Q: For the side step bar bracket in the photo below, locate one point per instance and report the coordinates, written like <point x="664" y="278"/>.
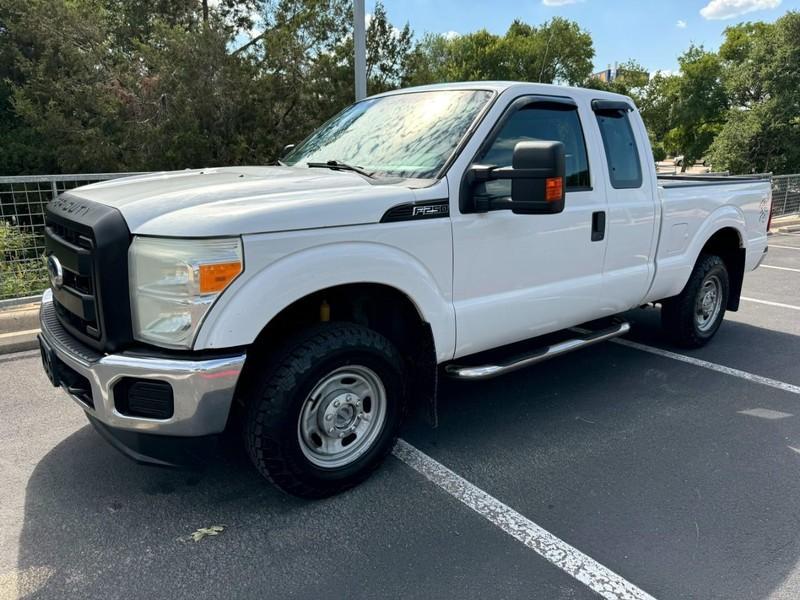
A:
<point x="540" y="355"/>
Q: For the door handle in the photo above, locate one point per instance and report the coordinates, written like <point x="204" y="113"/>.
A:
<point x="598" y="225"/>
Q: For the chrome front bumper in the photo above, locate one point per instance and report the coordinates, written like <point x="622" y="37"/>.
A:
<point x="203" y="389"/>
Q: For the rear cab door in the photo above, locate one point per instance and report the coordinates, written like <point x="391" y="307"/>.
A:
<point x="632" y="216"/>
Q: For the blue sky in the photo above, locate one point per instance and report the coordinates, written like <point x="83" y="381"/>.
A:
<point x="653" y="32"/>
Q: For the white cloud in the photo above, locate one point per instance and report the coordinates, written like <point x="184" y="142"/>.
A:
<point x="559" y="2"/>
<point x="681" y="24"/>
<point x="451" y="35"/>
<point x="728" y="9"/>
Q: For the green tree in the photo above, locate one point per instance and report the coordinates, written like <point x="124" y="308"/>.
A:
<point x="762" y="76"/>
<point x="557" y="51"/>
<point x="112" y="85"/>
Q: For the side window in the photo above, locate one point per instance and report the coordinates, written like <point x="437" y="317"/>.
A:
<point x="550" y="122"/>
<point x="622" y="155"/>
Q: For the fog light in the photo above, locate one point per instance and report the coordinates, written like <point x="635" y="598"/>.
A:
<point x="145" y="398"/>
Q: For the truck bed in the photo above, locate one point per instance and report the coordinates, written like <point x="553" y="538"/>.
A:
<point x="693" y="207"/>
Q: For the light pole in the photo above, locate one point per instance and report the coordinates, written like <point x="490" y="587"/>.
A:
<point x="360" y="46"/>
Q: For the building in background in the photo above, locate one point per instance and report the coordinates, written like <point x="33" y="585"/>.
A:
<point x="611" y="74"/>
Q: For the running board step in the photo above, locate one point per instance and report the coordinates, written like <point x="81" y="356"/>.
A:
<point x="539" y="355"/>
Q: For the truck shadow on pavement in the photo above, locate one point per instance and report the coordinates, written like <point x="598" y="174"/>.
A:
<point x="641" y="462"/>
<point x="97" y="525"/>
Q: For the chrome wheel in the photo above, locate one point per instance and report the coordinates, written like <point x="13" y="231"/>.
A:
<point x="708" y="304"/>
<point x="342" y="416"/>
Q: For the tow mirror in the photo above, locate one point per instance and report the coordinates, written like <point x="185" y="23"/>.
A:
<point x="537" y="181"/>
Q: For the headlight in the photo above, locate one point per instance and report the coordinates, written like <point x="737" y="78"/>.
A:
<point x="174" y="282"/>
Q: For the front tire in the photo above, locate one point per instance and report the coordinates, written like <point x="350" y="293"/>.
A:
<point x="691" y="318"/>
<point x="326" y="410"/>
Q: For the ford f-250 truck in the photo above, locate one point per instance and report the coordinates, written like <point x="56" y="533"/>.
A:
<point x="310" y="302"/>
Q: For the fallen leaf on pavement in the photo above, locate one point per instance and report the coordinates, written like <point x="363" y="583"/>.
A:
<point x="206" y="531"/>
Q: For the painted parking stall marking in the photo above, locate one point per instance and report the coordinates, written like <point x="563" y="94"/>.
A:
<point x="765" y="413"/>
<point x="786" y="387"/>
<point x="780" y="268"/>
<point x="769" y="303"/>
<point x="572" y="561"/>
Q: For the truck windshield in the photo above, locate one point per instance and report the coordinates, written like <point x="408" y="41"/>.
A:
<point x="404" y="135"/>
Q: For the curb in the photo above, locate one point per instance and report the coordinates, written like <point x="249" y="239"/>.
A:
<point x="19" y="326"/>
<point x="787" y="224"/>
<point x="18" y="341"/>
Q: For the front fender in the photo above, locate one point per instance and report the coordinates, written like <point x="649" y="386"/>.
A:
<point x="258" y="296"/>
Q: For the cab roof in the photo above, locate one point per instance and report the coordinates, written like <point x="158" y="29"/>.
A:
<point x="502" y="86"/>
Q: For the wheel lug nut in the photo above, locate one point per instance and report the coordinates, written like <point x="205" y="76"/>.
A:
<point x="330" y="430"/>
<point x="336" y="403"/>
<point x="328" y="417"/>
<point x="341" y="435"/>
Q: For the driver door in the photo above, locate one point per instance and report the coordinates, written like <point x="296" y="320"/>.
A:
<point x="520" y="276"/>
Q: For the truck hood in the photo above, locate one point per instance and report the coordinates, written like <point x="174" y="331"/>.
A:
<point x="242" y="200"/>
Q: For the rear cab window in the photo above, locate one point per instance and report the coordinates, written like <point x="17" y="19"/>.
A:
<point x="622" y="153"/>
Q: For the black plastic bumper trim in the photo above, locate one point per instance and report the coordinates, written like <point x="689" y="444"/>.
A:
<point x="159" y="450"/>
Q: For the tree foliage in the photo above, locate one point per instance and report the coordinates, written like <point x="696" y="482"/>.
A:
<point x="762" y="77"/>
<point x="112" y="85"/>
<point x="557" y="51"/>
<point x="115" y="85"/>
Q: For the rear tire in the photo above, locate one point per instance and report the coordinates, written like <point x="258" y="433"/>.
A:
<point x="691" y="318"/>
<point x="325" y="410"/>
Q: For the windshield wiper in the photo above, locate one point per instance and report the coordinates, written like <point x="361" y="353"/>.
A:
<point x="340" y="166"/>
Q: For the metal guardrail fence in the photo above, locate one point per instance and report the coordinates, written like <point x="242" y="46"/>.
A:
<point x="785" y="195"/>
<point x="23" y="198"/>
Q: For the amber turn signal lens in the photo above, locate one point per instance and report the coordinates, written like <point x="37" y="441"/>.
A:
<point x="215" y="278"/>
<point x="554" y="189"/>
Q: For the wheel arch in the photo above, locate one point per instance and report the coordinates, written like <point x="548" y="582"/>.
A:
<point x="382" y="308"/>
<point x="722" y="233"/>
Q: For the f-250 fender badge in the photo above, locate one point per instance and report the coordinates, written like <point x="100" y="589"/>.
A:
<point x="412" y="211"/>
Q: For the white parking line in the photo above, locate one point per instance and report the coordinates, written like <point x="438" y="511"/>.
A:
<point x="572" y="561"/>
<point x="786" y="387"/>
<point x="784" y="247"/>
<point x="765" y="413"/>
<point x="767" y="302"/>
<point x="780" y="268"/>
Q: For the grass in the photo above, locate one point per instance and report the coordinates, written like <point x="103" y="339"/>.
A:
<point x="22" y="271"/>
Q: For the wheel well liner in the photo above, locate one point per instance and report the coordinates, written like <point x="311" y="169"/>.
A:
<point x="727" y="244"/>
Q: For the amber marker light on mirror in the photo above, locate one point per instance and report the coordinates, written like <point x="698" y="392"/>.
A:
<point x="554" y="189"/>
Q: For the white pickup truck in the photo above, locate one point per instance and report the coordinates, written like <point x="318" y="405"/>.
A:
<point x="311" y="302"/>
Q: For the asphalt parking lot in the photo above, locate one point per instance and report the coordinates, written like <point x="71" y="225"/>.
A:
<point x="676" y="472"/>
